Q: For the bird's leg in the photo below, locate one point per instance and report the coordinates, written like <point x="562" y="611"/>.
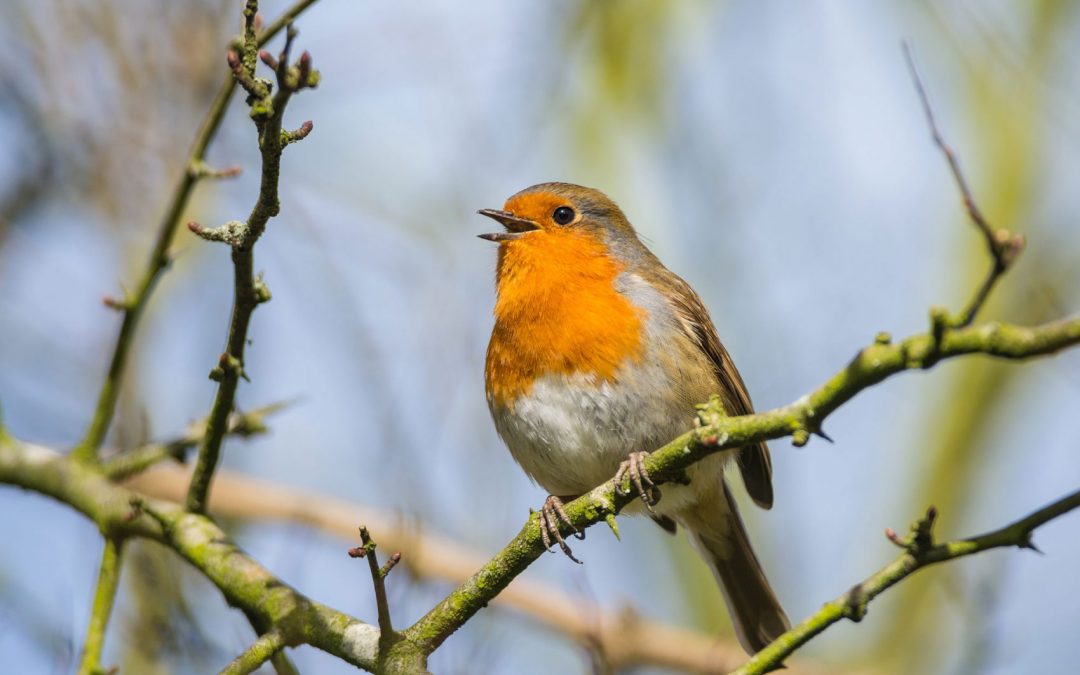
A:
<point x="634" y="466"/>
<point x="552" y="515"/>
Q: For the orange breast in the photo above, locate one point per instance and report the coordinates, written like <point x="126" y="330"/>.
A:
<point x="557" y="312"/>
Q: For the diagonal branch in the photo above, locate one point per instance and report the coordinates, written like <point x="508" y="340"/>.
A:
<point x="134" y="304"/>
<point x="124" y="465"/>
<point x="852" y="605"/>
<point x="624" y="637"/>
<point x="718" y="432"/>
<point x="120" y="512"/>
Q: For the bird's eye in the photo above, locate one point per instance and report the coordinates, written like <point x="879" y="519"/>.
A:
<point x="563" y="215"/>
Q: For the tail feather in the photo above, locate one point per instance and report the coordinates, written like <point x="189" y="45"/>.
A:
<point x="721" y="538"/>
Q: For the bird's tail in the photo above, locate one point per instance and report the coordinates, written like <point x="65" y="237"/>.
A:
<point x="718" y="533"/>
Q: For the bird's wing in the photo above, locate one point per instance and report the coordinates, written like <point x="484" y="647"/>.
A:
<point x="753" y="460"/>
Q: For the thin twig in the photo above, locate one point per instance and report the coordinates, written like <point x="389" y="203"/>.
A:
<point x="124" y="465"/>
<point x="378" y="578"/>
<point x="133" y="305"/>
<point x="104" y="596"/>
<point x="1004" y="246"/>
<point x="922" y="552"/>
<point x="249" y="290"/>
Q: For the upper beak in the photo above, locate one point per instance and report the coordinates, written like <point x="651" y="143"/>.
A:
<point x="514" y="225"/>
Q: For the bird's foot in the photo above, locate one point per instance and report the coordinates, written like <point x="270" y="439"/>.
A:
<point x="552" y="515"/>
<point x="634" y="466"/>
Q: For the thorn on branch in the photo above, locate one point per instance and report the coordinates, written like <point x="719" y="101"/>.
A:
<point x="1030" y="545"/>
<point x="808" y="425"/>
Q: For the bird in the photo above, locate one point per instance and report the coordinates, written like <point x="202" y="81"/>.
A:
<point x="598" y="355"/>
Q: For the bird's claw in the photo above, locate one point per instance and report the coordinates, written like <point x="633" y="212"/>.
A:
<point x="634" y="466"/>
<point x="552" y="515"/>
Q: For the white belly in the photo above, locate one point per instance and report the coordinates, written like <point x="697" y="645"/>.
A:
<point x="569" y="433"/>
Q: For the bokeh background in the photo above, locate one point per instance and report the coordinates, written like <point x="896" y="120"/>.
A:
<point x="773" y="154"/>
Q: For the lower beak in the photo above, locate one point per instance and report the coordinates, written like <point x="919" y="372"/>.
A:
<point x="515" y="226"/>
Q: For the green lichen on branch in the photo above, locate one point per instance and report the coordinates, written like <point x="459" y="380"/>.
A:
<point x="122" y="513"/>
<point x="717" y="432"/>
<point x="921" y="552"/>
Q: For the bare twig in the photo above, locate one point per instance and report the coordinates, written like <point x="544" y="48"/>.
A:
<point x="133" y="305"/>
<point x="378" y="577"/>
<point x="244" y="424"/>
<point x="249" y="290"/>
<point x="1004" y="246"/>
<point x="921" y="552"/>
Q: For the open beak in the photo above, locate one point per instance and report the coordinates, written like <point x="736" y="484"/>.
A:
<point x="515" y="226"/>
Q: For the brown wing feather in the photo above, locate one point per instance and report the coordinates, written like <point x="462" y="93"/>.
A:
<point x="754" y="462"/>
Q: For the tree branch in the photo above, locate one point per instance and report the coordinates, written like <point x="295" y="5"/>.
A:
<point x="718" y="432"/>
<point x="249" y="291"/>
<point x="104" y="595"/>
<point x="922" y="552"/>
<point x="120" y="512"/>
<point x="626" y="638"/>
<point x="133" y="305"/>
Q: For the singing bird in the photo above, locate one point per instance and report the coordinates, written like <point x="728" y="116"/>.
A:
<point x="598" y="355"/>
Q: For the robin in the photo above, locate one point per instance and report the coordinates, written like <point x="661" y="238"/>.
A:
<point x="598" y="355"/>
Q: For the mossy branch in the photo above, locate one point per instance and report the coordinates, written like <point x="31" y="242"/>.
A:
<point x="122" y="513"/>
<point x="133" y="305"/>
<point x="921" y="552"/>
<point x="717" y="432"/>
